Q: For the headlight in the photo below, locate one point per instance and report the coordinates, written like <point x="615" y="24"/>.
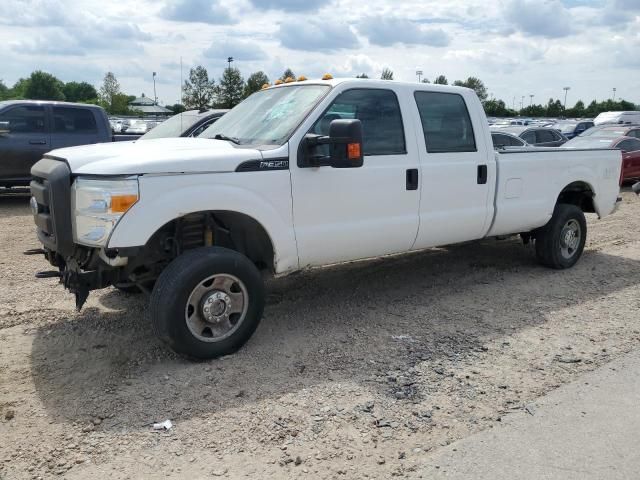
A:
<point x="97" y="207"/>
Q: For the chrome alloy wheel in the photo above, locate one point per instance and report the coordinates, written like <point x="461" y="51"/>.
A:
<point x="216" y="307"/>
<point x="570" y="238"/>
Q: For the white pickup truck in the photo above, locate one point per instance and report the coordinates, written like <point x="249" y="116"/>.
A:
<point x="300" y="175"/>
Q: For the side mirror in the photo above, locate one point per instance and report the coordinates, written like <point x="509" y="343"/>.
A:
<point x="345" y="146"/>
<point x="4" y="128"/>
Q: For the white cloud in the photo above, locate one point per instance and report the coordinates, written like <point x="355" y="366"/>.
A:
<point x="516" y="48"/>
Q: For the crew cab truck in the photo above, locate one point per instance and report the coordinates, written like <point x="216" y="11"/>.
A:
<point x="301" y="175"/>
<point x="31" y="128"/>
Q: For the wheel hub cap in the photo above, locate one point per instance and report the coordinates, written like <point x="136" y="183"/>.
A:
<point x="570" y="238"/>
<point x="216" y="306"/>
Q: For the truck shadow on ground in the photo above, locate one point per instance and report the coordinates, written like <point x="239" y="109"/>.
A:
<point x="344" y="324"/>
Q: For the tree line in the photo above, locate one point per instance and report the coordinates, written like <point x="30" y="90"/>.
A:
<point x="200" y="91"/>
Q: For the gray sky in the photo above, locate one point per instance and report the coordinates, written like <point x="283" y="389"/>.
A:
<point x="517" y="47"/>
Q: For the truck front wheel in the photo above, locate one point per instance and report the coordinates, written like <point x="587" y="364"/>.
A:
<point x="559" y="244"/>
<point x="208" y="302"/>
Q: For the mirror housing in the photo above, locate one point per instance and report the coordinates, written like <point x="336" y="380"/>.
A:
<point x="4" y="128"/>
<point x="345" y="146"/>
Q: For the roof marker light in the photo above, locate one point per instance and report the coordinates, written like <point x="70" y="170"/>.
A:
<point x="289" y="80"/>
<point x="327" y="76"/>
<point x="278" y="82"/>
<point x="302" y="78"/>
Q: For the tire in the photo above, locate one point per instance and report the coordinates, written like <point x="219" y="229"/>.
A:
<point x="560" y="243"/>
<point x="197" y="286"/>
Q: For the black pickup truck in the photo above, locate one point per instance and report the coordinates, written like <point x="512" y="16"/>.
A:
<point x="31" y="128"/>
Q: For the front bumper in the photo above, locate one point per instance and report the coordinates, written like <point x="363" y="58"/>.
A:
<point x="80" y="269"/>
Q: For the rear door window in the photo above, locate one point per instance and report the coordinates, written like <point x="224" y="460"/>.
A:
<point x="446" y="123"/>
<point x="25" y="119"/>
<point x="73" y="120"/>
<point x="545" y="136"/>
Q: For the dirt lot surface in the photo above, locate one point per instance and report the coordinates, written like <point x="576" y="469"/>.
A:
<point x="357" y="371"/>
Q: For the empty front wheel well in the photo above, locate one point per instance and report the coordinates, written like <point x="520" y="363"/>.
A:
<point x="579" y="194"/>
<point x="228" y="229"/>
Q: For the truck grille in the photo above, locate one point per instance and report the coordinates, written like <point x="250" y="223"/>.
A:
<point x="51" y="204"/>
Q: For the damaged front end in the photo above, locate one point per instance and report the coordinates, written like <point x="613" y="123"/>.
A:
<point x="80" y="269"/>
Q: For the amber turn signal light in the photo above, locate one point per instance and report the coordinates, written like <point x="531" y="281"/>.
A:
<point x="353" y="151"/>
<point x="122" y="203"/>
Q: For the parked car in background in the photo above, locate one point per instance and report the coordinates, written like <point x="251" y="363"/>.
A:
<point x="607" y="130"/>
<point x="573" y="128"/>
<point x="504" y="140"/>
<point x="618" y="117"/>
<point x="186" y="124"/>
<point x="629" y="146"/>
<point x="31" y="128"/>
<point x="536" y="136"/>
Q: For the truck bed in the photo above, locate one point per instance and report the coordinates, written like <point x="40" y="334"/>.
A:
<point x="529" y="182"/>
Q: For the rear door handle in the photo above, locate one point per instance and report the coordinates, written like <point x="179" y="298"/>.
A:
<point x="37" y="142"/>
<point x="412" y="179"/>
<point x="482" y="174"/>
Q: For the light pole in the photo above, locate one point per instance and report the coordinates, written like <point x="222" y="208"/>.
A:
<point x="419" y="74"/>
<point x="229" y="60"/>
<point x="522" y="102"/>
<point x="614" y="93"/>
<point x="155" y="97"/>
<point x="566" y="89"/>
<point x="531" y="99"/>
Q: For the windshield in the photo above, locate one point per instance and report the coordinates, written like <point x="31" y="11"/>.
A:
<point x="269" y="116"/>
<point x="588" y="142"/>
<point x="174" y="127"/>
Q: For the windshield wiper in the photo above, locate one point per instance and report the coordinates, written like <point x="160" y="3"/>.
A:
<point x="222" y="136"/>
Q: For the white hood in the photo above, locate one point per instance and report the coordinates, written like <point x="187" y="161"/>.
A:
<point x="163" y="155"/>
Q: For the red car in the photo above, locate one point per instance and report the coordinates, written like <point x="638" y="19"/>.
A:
<point x="630" y="147"/>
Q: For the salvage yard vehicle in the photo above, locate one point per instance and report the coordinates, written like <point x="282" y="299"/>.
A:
<point x="302" y="175"/>
<point x="30" y="128"/>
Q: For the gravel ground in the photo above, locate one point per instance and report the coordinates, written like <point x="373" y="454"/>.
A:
<point x="357" y="371"/>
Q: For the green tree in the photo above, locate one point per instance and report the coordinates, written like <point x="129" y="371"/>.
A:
<point x="108" y="91"/>
<point x="198" y="92"/>
<point x="255" y="82"/>
<point x="230" y="89"/>
<point x="425" y="80"/>
<point x="288" y="73"/>
<point x="578" y="110"/>
<point x="362" y="75"/>
<point x="120" y="105"/>
<point x="19" y="88"/>
<point x="43" y="86"/>
<point x="533" y="111"/>
<point x="176" y="108"/>
<point x="554" y="108"/>
<point x="79" y="92"/>
<point x="441" y="80"/>
<point x="387" y="74"/>
<point x="4" y="91"/>
<point x="497" y="108"/>
<point x="474" y="84"/>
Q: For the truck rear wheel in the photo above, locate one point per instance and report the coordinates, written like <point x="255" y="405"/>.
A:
<point x="208" y="302"/>
<point x="560" y="243"/>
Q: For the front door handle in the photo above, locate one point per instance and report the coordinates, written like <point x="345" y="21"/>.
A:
<point x="37" y="142"/>
<point x="482" y="174"/>
<point x="412" y="179"/>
